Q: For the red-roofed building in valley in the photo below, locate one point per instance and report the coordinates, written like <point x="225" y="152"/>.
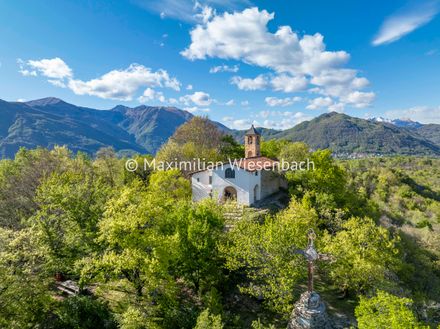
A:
<point x="247" y="180"/>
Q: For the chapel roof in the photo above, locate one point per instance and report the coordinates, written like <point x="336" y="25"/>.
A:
<point x="252" y="131"/>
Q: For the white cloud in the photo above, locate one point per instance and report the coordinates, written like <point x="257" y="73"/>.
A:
<point x="359" y="99"/>
<point x="274" y="101"/>
<point x="205" y="12"/>
<point x="151" y="95"/>
<point x="336" y="107"/>
<point x="295" y="61"/>
<point x="343" y="84"/>
<point x="123" y="84"/>
<point x="57" y="83"/>
<point x="405" y="21"/>
<point x="224" y="68"/>
<point x="244" y="36"/>
<point x="198" y="98"/>
<point x="241" y="124"/>
<point x="258" y="83"/>
<point x="319" y="102"/>
<point x="116" y="84"/>
<point x="230" y="102"/>
<point x="423" y="114"/>
<point x="54" y="68"/>
<point x="289" y="84"/>
<point x="284" y="120"/>
<point x="189" y="87"/>
<point x="244" y="103"/>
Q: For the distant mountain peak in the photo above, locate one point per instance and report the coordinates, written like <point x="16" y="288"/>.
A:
<point x="45" y="101"/>
<point x="404" y="122"/>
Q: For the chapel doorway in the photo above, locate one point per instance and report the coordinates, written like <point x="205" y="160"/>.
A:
<point x="230" y="194"/>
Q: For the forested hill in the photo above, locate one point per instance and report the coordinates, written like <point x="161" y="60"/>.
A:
<point x="51" y="121"/>
<point x="344" y="134"/>
<point x="144" y="129"/>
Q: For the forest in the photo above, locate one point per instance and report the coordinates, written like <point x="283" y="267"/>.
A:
<point x="145" y="256"/>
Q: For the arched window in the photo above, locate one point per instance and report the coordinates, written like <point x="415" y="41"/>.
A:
<point x="229" y="173"/>
<point x="249" y="139"/>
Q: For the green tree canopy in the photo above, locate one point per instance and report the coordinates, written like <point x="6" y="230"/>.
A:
<point x="386" y="311"/>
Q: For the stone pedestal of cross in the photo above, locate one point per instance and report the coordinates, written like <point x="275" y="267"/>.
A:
<point x="309" y="311"/>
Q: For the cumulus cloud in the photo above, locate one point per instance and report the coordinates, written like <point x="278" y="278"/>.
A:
<point x="244" y="36"/>
<point x="423" y="114"/>
<point x="258" y="83"/>
<point x="274" y="101"/>
<point x="198" y="98"/>
<point x="151" y="95"/>
<point x="359" y="99"/>
<point x="319" y="102"/>
<point x="224" y="68"/>
<point x="289" y="84"/>
<point x="54" y="68"/>
<point x="122" y="84"/>
<point x="295" y="61"/>
<point x="405" y="21"/>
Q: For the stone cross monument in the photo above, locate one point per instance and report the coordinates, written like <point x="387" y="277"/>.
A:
<point x="309" y="311"/>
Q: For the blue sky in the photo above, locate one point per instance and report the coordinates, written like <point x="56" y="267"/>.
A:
<point x="273" y="63"/>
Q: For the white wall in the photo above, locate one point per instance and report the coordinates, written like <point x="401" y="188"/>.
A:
<point x="200" y="185"/>
<point x="244" y="182"/>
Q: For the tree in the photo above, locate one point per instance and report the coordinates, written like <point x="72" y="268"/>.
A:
<point x="130" y="234"/>
<point x="273" y="147"/>
<point x="70" y="204"/>
<point x="206" y="320"/>
<point x="201" y="132"/>
<point x="83" y="312"/>
<point x="169" y="184"/>
<point x="109" y="167"/>
<point x="293" y="152"/>
<point x="264" y="253"/>
<point x="386" y="311"/>
<point x="230" y="148"/>
<point x="365" y="255"/>
<point x="25" y="300"/>
<point x="19" y="181"/>
<point x="199" y="228"/>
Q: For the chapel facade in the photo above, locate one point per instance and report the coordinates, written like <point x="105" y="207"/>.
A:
<point x="242" y="180"/>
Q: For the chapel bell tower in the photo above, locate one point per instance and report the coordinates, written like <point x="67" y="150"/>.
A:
<point x="252" y="143"/>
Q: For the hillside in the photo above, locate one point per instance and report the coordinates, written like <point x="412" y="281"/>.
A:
<point x="345" y="134"/>
<point x="431" y="132"/>
<point x="144" y="129"/>
<point x="51" y="121"/>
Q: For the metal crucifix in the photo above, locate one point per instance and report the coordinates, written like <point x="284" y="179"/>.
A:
<point x="311" y="256"/>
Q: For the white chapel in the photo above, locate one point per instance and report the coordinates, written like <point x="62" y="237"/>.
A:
<point x="242" y="180"/>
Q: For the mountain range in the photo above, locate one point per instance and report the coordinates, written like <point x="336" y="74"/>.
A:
<point x="50" y="121"/>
